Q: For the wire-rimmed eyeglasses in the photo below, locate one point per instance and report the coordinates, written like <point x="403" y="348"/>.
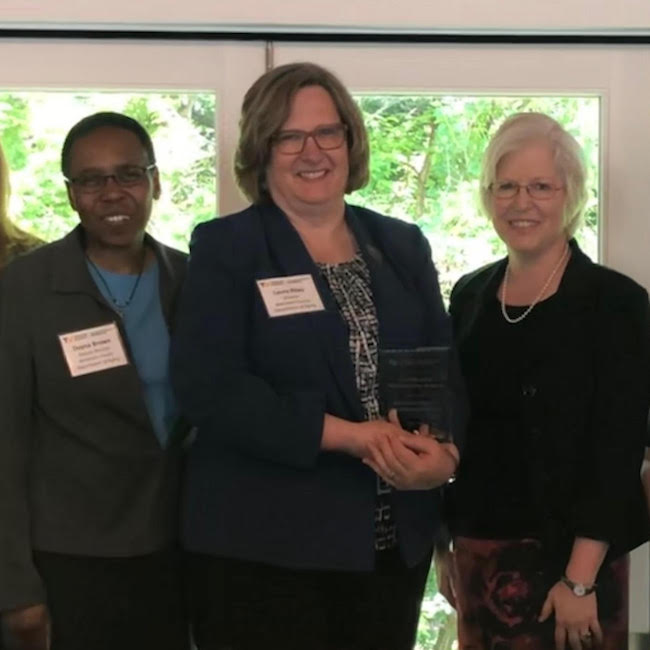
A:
<point x="541" y="190"/>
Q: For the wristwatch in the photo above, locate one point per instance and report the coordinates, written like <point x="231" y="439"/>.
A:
<point x="578" y="588"/>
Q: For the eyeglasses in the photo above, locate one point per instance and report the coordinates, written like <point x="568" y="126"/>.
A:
<point x="326" y="137"/>
<point x="541" y="190"/>
<point x="124" y="176"/>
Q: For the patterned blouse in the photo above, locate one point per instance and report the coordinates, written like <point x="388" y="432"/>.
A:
<point x="349" y="283"/>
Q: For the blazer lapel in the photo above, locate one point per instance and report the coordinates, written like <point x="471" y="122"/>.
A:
<point x="577" y="283"/>
<point x="170" y="279"/>
<point x="395" y="295"/>
<point x="69" y="272"/>
<point x="479" y="300"/>
<point x="290" y="256"/>
<point x="288" y="253"/>
<point x="70" y="275"/>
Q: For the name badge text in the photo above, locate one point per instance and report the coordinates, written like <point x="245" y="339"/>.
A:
<point x="93" y="349"/>
<point x="294" y="294"/>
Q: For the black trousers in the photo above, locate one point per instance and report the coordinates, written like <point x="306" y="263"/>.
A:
<point x="238" y="605"/>
<point x="132" y="603"/>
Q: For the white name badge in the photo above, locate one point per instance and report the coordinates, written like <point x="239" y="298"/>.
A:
<point x="93" y="349"/>
<point x="294" y="294"/>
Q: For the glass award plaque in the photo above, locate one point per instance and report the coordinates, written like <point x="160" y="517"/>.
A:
<point x="416" y="383"/>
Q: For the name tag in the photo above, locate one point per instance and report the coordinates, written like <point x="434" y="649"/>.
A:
<point x="295" y="294"/>
<point x="93" y="349"/>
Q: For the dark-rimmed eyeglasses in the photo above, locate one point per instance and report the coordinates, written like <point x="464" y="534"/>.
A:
<point x="326" y="137"/>
<point x="124" y="176"/>
<point x="540" y="190"/>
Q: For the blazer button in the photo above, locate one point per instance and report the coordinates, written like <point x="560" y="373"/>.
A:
<point x="529" y="390"/>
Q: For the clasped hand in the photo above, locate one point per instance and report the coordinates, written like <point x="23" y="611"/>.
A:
<point x="28" y="628"/>
<point x="407" y="461"/>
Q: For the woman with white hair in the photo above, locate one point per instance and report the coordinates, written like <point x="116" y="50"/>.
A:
<point x="554" y="350"/>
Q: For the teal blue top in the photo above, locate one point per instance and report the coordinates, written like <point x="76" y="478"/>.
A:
<point x="148" y="339"/>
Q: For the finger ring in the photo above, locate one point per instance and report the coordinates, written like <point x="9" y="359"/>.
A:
<point x="585" y="635"/>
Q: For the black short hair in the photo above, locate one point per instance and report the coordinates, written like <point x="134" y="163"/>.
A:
<point x="100" y="120"/>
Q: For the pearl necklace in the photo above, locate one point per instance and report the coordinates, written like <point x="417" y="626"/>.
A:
<point x="521" y="317"/>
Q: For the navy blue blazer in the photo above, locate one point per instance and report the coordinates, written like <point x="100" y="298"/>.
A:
<point x="258" y="486"/>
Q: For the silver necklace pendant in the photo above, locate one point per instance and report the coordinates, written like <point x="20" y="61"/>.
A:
<point x="120" y="309"/>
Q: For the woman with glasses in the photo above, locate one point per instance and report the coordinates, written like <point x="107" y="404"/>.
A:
<point x="295" y="541"/>
<point x="554" y="351"/>
<point x="90" y="439"/>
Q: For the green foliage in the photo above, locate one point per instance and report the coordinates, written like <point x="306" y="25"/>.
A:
<point x="14" y="117"/>
<point x="138" y="108"/>
<point x="437" y="628"/>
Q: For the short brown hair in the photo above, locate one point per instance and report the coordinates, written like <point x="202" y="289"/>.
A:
<point x="266" y="108"/>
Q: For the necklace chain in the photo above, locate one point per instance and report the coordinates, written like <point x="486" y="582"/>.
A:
<point x="120" y="308"/>
<point x="521" y="317"/>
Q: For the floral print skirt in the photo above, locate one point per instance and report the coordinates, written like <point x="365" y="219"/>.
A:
<point x="500" y="587"/>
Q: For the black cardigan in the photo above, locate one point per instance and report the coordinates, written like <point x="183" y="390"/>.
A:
<point x="585" y="403"/>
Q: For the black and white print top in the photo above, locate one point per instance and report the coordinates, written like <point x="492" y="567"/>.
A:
<point x="349" y="283"/>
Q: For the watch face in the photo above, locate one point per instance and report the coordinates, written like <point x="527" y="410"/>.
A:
<point x="579" y="590"/>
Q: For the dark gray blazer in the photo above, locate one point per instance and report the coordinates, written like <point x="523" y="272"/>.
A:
<point x="81" y="469"/>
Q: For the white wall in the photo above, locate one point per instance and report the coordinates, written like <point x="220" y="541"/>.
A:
<point x="421" y="15"/>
